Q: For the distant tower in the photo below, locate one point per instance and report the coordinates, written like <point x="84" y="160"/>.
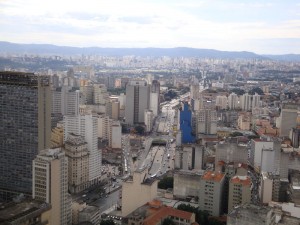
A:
<point x="246" y="102"/>
<point x="185" y="120"/>
<point x="137" y="101"/>
<point x="50" y="184"/>
<point x="25" y="128"/>
<point x="86" y="126"/>
<point x="206" y="121"/>
<point x="154" y="97"/>
<point x="233" y="101"/>
<point x="255" y="100"/>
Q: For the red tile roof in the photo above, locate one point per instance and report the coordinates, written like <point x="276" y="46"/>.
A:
<point x="213" y="176"/>
<point x="165" y="212"/>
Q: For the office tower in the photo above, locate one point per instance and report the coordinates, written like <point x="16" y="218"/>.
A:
<point x="103" y="126"/>
<point x="115" y="136"/>
<point x="50" y="184"/>
<point x="288" y="119"/>
<point x="86" y="126"/>
<point x="189" y="157"/>
<point x="137" y="101"/>
<point x="255" y="100"/>
<point x="149" y="120"/>
<point x="100" y="94"/>
<point x="25" y="128"/>
<point x="57" y="136"/>
<point x="185" y="119"/>
<point x="211" y="194"/>
<point x="233" y="100"/>
<point x="295" y="137"/>
<point x="55" y="81"/>
<point x="221" y="102"/>
<point x="65" y="101"/>
<point x="239" y="191"/>
<point x="246" y="101"/>
<point x="78" y="163"/>
<point x="113" y="108"/>
<point x="154" y="97"/>
<point x="195" y="94"/>
<point x="87" y="94"/>
<point x="206" y="121"/>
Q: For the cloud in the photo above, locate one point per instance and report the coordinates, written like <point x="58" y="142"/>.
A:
<point x="137" y="23"/>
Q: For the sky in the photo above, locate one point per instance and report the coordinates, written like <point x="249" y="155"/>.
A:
<point x="260" y="26"/>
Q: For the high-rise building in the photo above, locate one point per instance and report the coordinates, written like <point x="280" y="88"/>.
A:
<point x="78" y="163"/>
<point x="148" y="120"/>
<point x="185" y="124"/>
<point x="221" y="102"/>
<point x="50" y="184"/>
<point x="137" y="101"/>
<point x="246" y="101"/>
<point x="25" y="128"/>
<point x="239" y="191"/>
<point x="211" y="194"/>
<point x="206" y="121"/>
<point x="195" y="91"/>
<point x="86" y="126"/>
<point x="65" y="101"/>
<point x="233" y="100"/>
<point x="155" y="97"/>
<point x="255" y="100"/>
<point x="288" y="119"/>
<point x="115" y="136"/>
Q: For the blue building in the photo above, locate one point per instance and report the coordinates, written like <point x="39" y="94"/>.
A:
<point x="186" y="124"/>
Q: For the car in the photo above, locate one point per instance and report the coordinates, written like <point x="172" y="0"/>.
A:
<point x="106" y="196"/>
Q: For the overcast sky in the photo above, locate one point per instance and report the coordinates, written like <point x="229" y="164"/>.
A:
<point x="268" y="27"/>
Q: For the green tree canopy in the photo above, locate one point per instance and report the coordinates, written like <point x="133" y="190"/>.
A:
<point x="139" y="129"/>
<point x="165" y="183"/>
<point x="168" y="221"/>
<point x="107" y="222"/>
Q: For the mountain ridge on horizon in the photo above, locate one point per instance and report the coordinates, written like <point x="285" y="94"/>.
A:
<point x="46" y="49"/>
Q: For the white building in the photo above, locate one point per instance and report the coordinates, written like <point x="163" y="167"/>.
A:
<point x="149" y="120"/>
<point x="65" y="101"/>
<point x="221" y="102"/>
<point x="206" y="121"/>
<point x="233" y="101"/>
<point x="256" y="100"/>
<point x="246" y="101"/>
<point x="50" y="184"/>
<point x="115" y="135"/>
<point x="86" y="126"/>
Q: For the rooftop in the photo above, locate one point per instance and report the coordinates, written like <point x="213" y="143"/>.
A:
<point x="213" y="176"/>
<point x="243" y="180"/>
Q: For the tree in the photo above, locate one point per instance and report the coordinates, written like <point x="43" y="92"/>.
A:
<point x="236" y="134"/>
<point x="165" y="183"/>
<point x="238" y="91"/>
<point x="257" y="90"/>
<point x="139" y="129"/>
<point x="107" y="222"/>
<point x="168" y="221"/>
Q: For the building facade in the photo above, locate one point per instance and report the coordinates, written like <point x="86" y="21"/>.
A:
<point x="50" y="184"/>
<point x="25" y="128"/>
<point x="78" y="163"/>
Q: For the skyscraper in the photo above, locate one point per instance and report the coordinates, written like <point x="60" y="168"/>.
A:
<point x="137" y="101"/>
<point x="25" y="128"/>
<point x="86" y="126"/>
<point x="233" y="101"/>
<point x="50" y="184"/>
<point x="246" y="101"/>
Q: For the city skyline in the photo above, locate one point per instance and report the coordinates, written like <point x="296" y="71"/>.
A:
<point x="263" y="27"/>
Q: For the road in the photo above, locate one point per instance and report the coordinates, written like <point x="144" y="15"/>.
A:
<point x="106" y="203"/>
